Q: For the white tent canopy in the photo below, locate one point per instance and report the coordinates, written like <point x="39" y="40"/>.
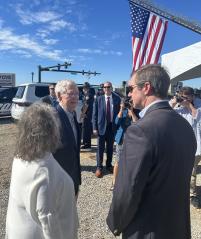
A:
<point x="183" y="64"/>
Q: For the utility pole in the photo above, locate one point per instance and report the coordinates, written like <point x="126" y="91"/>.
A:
<point x="57" y="68"/>
<point x="124" y="87"/>
<point x="193" y="26"/>
<point x="32" y="76"/>
<point x="39" y="73"/>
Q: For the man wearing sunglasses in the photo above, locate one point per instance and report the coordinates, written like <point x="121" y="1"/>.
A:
<point x="106" y="108"/>
<point x="51" y="99"/>
<point x="190" y="109"/>
<point x="151" y="192"/>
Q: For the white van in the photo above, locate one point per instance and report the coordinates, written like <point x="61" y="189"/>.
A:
<point x="26" y="95"/>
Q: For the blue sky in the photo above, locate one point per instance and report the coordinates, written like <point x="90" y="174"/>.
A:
<point x="92" y="34"/>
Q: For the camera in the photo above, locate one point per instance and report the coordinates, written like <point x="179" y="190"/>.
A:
<point x="127" y="103"/>
<point x="179" y="99"/>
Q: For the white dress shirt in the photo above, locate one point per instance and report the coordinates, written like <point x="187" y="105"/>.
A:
<point x="143" y="112"/>
<point x="195" y="122"/>
<point x="41" y="202"/>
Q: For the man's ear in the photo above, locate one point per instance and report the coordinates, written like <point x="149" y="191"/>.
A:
<point x="147" y="88"/>
<point x="58" y="95"/>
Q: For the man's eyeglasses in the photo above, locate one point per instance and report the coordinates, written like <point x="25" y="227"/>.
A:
<point x="131" y="88"/>
<point x="72" y="94"/>
<point x="107" y="87"/>
<point x="52" y="88"/>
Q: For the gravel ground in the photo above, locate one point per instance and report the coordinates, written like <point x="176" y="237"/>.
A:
<point x="94" y="198"/>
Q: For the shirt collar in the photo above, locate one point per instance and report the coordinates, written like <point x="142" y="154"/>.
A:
<point x="106" y="96"/>
<point x="143" y="112"/>
<point x="71" y="113"/>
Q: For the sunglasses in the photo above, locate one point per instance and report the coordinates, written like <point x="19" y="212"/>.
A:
<point x="52" y="88"/>
<point x="131" y="88"/>
<point x="107" y="87"/>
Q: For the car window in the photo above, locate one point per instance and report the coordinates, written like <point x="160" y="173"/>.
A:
<point x="41" y="91"/>
<point x="12" y="92"/>
<point x="8" y="93"/>
<point x="20" y="92"/>
<point x="3" y="93"/>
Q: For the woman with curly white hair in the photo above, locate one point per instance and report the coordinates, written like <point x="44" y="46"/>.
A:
<point x="42" y="199"/>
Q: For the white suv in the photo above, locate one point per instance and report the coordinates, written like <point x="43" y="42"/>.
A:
<point x="26" y="95"/>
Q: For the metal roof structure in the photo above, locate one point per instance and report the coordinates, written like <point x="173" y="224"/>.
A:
<point x="183" y="64"/>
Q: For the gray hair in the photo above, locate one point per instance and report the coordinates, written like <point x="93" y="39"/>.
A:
<point x="157" y="76"/>
<point x="38" y="132"/>
<point x="63" y="85"/>
<point x="108" y="82"/>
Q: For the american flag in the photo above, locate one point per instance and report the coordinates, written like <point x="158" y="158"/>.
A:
<point x="148" y="33"/>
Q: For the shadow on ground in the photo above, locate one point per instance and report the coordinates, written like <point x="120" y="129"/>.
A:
<point x="93" y="150"/>
<point x="198" y="188"/>
<point x="199" y="169"/>
<point x="88" y="168"/>
<point x="6" y="120"/>
<point x="92" y="169"/>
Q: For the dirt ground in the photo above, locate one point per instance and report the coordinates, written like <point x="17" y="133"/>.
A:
<point x="7" y="141"/>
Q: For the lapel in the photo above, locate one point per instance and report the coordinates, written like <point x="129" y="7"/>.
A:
<point x="67" y="124"/>
<point x="78" y="130"/>
<point x="114" y="103"/>
<point x="113" y="98"/>
<point x="104" y="104"/>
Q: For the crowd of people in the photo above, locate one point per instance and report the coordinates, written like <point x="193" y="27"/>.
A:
<point x="158" y="150"/>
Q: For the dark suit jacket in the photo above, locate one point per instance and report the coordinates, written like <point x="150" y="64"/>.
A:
<point x="68" y="156"/>
<point x="99" y="113"/>
<point x="151" y="194"/>
<point x="89" y="102"/>
<point x="49" y="100"/>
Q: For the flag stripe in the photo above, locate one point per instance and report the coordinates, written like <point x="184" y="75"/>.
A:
<point x="162" y="40"/>
<point x="156" y="47"/>
<point x="136" y="49"/>
<point x="147" y="49"/>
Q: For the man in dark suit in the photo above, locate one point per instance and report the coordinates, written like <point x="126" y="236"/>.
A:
<point x="87" y="110"/>
<point x="106" y="108"/>
<point x="50" y="99"/>
<point x="68" y="155"/>
<point x="151" y="194"/>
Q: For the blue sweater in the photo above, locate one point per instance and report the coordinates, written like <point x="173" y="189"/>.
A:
<point x="122" y="124"/>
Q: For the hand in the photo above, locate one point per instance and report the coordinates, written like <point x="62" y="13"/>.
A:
<point x="186" y="103"/>
<point x="95" y="132"/>
<point x="132" y="115"/>
<point x="173" y="102"/>
<point x="122" y="107"/>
